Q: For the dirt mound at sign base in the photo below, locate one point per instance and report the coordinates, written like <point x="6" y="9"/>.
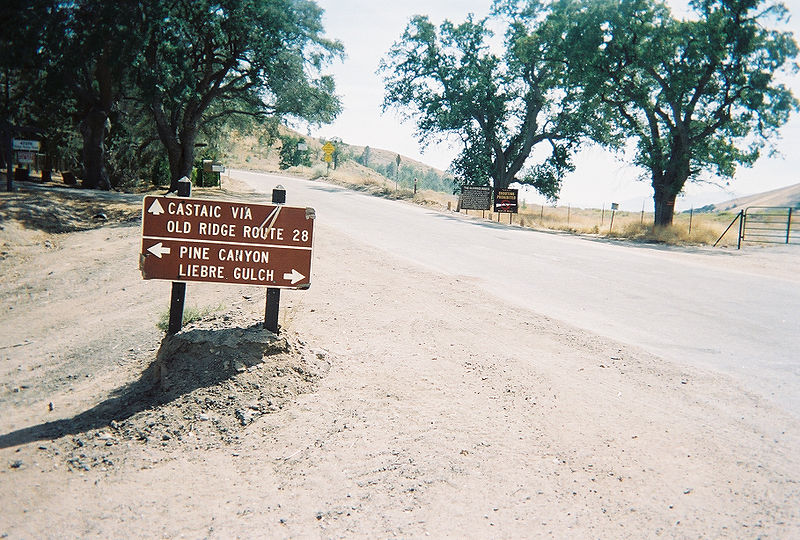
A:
<point x="228" y="377"/>
<point x="207" y="383"/>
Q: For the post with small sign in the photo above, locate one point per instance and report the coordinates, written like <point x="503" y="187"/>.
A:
<point x="506" y="201"/>
<point x="274" y="295"/>
<point x="210" y="169"/>
<point x="328" y="149"/>
<point x="23" y="148"/>
<point x="614" y="208"/>
<point x="7" y="148"/>
<point x="178" y="287"/>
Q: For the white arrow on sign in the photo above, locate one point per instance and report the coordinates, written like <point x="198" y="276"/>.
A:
<point x="294" y="277"/>
<point x="158" y="250"/>
<point x="156" y="209"/>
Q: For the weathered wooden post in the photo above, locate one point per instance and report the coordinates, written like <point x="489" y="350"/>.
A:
<point x="178" y="287"/>
<point x="274" y="294"/>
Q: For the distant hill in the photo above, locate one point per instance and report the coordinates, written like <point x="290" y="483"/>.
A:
<point x="375" y="169"/>
<point x="785" y="196"/>
<point x="252" y="150"/>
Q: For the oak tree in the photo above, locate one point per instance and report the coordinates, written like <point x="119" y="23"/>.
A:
<point x="696" y="95"/>
<point x="501" y="106"/>
<point x="206" y="60"/>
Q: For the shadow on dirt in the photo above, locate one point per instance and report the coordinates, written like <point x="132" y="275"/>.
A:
<point x="61" y="210"/>
<point x="226" y="372"/>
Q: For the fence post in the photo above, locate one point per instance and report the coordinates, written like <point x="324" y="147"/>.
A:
<point x="788" y="225"/>
<point x="741" y="229"/>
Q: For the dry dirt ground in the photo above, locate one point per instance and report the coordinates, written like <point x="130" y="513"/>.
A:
<point x="395" y="402"/>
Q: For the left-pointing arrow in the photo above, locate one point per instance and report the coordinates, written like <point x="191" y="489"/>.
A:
<point x="158" y="250"/>
<point x="156" y="209"/>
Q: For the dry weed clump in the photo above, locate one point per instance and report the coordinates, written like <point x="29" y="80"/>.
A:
<point x="699" y="229"/>
<point x="672" y="235"/>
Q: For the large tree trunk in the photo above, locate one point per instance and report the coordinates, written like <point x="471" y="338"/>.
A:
<point x="666" y="187"/>
<point x="93" y="130"/>
<point x="664" y="204"/>
<point x="181" y="158"/>
<point x="669" y="182"/>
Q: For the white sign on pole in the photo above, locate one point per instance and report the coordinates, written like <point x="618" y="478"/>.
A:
<point x="26" y="145"/>
<point x="24" y="157"/>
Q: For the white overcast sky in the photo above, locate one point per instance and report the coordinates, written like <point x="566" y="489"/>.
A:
<point x="368" y="28"/>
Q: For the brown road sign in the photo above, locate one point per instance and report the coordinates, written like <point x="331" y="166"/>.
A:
<point x="186" y="239"/>
<point x="506" y="200"/>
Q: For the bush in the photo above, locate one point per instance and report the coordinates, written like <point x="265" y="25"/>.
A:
<point x="290" y="155"/>
<point x="319" y="171"/>
<point x="673" y="235"/>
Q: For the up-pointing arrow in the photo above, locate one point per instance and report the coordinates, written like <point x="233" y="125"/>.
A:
<point x="294" y="277"/>
<point x="156" y="209"/>
<point x="158" y="250"/>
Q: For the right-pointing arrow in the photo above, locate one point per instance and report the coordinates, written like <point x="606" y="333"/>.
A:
<point x="158" y="250"/>
<point x="294" y="277"/>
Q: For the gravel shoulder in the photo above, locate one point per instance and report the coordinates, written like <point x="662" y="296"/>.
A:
<point x="398" y="402"/>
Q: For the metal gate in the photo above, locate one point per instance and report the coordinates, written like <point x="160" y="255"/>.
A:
<point x="767" y="225"/>
<point x="770" y="225"/>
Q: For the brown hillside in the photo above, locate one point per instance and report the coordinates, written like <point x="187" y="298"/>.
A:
<point x="251" y="152"/>
<point x="379" y="156"/>
<point x="785" y="196"/>
<point x="244" y="147"/>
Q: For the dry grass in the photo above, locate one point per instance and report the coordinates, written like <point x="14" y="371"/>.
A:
<point x="246" y="153"/>
<point x="699" y="229"/>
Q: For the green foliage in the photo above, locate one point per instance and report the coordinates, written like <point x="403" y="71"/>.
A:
<point x="426" y="178"/>
<point x="451" y="83"/>
<point x="290" y="155"/>
<point x="696" y="95"/>
<point x="205" y="61"/>
<point x="133" y="158"/>
<point x="159" y="172"/>
<point x="364" y="157"/>
<point x="122" y="75"/>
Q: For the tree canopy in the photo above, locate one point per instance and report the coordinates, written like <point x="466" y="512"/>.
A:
<point x="166" y="71"/>
<point x="451" y="82"/>
<point x="695" y="95"/>
<point x="205" y="60"/>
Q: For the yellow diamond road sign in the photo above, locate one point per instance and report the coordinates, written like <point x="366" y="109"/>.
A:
<point x="328" y="148"/>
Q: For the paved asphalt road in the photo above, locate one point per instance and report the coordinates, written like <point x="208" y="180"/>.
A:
<point x="693" y="306"/>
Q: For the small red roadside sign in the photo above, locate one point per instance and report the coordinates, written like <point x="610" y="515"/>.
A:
<point x="185" y="239"/>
